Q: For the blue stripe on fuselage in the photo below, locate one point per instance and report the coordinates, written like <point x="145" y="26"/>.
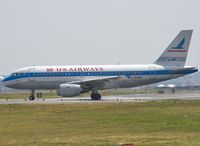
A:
<point x="103" y="73"/>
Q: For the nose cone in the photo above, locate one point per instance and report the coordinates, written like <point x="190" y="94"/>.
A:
<point x="1" y="78"/>
<point x="4" y="80"/>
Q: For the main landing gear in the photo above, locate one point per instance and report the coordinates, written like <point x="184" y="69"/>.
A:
<point x="32" y="97"/>
<point x="95" y="96"/>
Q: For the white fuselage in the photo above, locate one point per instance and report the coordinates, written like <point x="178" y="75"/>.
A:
<point x="51" y="77"/>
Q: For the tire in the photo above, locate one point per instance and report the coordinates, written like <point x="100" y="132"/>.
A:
<point x="31" y="98"/>
<point x="95" y="96"/>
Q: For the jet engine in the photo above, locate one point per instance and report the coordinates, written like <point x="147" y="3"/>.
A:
<point x="69" y="90"/>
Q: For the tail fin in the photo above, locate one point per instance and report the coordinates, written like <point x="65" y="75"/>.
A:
<point x="176" y="53"/>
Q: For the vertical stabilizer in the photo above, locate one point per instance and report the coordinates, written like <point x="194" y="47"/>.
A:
<point x="176" y="53"/>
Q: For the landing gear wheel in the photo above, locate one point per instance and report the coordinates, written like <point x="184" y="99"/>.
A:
<point x="31" y="98"/>
<point x="95" y="96"/>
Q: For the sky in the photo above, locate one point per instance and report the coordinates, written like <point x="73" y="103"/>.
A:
<point x="77" y="32"/>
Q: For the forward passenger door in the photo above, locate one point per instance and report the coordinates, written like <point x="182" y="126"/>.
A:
<point x="31" y="74"/>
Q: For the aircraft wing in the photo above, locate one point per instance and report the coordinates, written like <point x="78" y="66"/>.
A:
<point x="95" y="83"/>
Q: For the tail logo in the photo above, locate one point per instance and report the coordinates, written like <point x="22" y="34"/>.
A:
<point x="180" y="45"/>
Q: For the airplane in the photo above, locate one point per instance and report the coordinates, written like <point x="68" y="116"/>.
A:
<point x="73" y="80"/>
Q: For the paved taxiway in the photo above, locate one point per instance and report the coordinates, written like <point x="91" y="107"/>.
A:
<point x="107" y="99"/>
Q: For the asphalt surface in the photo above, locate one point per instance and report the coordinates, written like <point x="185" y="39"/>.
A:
<point x="107" y="99"/>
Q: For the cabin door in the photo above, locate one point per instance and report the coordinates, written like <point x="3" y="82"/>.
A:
<point x="31" y="74"/>
<point x="152" y="73"/>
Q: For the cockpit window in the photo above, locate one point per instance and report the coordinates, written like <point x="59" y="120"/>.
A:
<point x="13" y="75"/>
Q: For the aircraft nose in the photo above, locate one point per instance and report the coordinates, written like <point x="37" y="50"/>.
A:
<point x="2" y="78"/>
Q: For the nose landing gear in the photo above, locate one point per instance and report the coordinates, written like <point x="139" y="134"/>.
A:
<point x="32" y="97"/>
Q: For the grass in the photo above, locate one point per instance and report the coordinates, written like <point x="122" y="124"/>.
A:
<point x="168" y="123"/>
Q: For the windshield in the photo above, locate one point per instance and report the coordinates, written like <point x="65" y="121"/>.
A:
<point x="13" y="75"/>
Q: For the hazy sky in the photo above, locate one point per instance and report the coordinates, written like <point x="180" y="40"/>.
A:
<point x="64" y="32"/>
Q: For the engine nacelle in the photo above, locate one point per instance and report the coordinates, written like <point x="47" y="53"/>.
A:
<point x="69" y="90"/>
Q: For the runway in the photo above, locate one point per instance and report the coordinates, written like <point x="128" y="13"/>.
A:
<point x="107" y="99"/>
